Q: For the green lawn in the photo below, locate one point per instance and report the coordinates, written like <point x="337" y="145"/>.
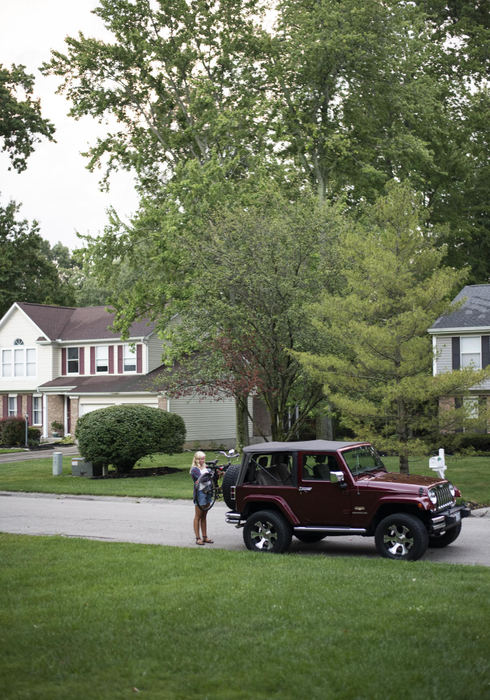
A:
<point x="470" y="474"/>
<point x="84" y="619"/>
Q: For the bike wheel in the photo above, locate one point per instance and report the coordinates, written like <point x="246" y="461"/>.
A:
<point x="210" y="500"/>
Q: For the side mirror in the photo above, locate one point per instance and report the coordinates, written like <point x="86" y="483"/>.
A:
<point x="337" y="477"/>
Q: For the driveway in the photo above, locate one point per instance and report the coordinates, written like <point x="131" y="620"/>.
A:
<point x="167" y="522"/>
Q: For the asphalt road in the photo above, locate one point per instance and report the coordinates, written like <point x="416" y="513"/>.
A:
<point x="166" y="522"/>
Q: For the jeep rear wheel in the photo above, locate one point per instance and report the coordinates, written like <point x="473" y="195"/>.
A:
<point x="437" y="542"/>
<point x="229" y="480"/>
<point x="401" y="536"/>
<point x="267" y="531"/>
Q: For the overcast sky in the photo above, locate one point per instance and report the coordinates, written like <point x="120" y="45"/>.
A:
<point x="56" y="189"/>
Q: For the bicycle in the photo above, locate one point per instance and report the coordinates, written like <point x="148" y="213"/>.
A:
<point x="218" y="470"/>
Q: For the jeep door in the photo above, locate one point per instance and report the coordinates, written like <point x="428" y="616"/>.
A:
<point x="319" y="498"/>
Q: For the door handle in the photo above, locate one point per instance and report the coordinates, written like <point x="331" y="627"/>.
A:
<point x="304" y="489"/>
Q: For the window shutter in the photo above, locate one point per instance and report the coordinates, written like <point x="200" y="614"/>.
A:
<point x="111" y="359"/>
<point x="19" y="405"/>
<point x="139" y="359"/>
<point x="5" y="406"/>
<point x="120" y="359"/>
<point x="485" y="351"/>
<point x="63" y="361"/>
<point x="81" y="361"/>
<point x="455" y="352"/>
<point x="92" y="360"/>
<point x="29" y="407"/>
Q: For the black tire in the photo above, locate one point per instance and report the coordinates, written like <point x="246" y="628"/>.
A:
<point x="310" y="536"/>
<point x="401" y="536"/>
<point x="267" y="531"/>
<point x="229" y="479"/>
<point x="439" y="541"/>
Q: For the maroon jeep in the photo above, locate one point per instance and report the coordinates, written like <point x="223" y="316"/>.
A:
<point x="320" y="488"/>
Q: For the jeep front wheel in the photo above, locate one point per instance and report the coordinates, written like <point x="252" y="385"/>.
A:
<point x="401" y="536"/>
<point x="267" y="531"/>
<point x="439" y="541"/>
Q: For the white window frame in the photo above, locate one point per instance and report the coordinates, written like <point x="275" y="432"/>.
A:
<point x="12" y="406"/>
<point x="470" y="351"/>
<point x="72" y="360"/>
<point x="101" y="359"/>
<point x="37" y="410"/>
<point x="129" y="357"/>
<point x="21" y="362"/>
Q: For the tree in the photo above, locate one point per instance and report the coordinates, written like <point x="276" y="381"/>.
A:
<point x="21" y="123"/>
<point x="243" y="316"/>
<point x="26" y="273"/>
<point x="379" y="374"/>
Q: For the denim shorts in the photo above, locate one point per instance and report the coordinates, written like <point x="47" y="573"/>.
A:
<point x="204" y="499"/>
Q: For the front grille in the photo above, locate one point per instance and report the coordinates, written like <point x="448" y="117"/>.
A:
<point x="444" y="496"/>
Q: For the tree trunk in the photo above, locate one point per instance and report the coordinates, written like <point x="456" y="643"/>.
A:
<point x="403" y="461"/>
<point x="324" y="428"/>
<point x="242" y="431"/>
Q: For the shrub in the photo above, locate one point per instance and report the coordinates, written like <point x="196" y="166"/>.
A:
<point x="34" y="437"/>
<point x="121" y="435"/>
<point x="13" y="431"/>
<point x="456" y="442"/>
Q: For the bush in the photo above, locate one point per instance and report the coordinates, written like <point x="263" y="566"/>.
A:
<point x="121" y="435"/>
<point x="13" y="432"/>
<point x="457" y="442"/>
<point x="34" y="437"/>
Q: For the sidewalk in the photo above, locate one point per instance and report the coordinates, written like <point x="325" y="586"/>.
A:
<point x="37" y="454"/>
<point x="168" y="522"/>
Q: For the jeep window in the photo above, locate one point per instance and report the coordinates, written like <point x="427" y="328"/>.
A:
<point x="317" y="466"/>
<point x="270" y="469"/>
<point x="361" y="460"/>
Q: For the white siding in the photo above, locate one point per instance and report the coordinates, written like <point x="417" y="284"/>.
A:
<point x="205" y="419"/>
<point x="91" y="403"/>
<point x="16" y="326"/>
<point x="444" y="362"/>
<point x="154" y="352"/>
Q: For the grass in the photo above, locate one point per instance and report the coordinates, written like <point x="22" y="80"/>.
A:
<point x="84" y="619"/>
<point x="470" y="474"/>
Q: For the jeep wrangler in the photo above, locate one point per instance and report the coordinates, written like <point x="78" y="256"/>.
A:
<point x="321" y="488"/>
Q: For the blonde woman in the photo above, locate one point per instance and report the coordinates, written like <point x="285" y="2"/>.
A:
<point x="202" y="500"/>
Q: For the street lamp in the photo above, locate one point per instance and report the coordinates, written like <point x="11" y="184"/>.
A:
<point x="27" y="429"/>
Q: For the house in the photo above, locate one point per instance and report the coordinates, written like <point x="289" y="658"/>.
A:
<point x="461" y="339"/>
<point x="58" y="363"/>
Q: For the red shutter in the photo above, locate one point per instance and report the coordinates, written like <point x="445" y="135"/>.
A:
<point x="139" y="358"/>
<point x="92" y="360"/>
<point x="29" y="407"/>
<point x="111" y="359"/>
<point x="63" y="361"/>
<point x="19" y="405"/>
<point x="81" y="361"/>
<point x="120" y="359"/>
<point x="5" y="406"/>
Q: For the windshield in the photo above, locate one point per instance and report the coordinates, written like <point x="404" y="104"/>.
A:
<point x="361" y="460"/>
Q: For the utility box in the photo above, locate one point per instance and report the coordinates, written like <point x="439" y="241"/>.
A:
<point x="79" y="467"/>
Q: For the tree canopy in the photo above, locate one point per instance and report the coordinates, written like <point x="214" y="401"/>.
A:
<point x="21" y="123"/>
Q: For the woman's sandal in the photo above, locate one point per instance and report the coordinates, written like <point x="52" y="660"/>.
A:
<point x="206" y="540"/>
<point x="199" y="541"/>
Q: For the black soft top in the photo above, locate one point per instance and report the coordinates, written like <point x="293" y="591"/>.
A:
<point x="301" y="446"/>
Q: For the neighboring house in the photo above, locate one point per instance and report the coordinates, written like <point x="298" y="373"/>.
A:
<point x="462" y="339"/>
<point x="58" y="363"/>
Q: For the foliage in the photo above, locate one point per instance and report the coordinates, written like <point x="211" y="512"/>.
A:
<point x="13" y="431"/>
<point x="458" y="442"/>
<point x="21" y="123"/>
<point x="249" y="272"/>
<point x="349" y="95"/>
<point x="120" y="435"/>
<point x="379" y="375"/>
<point x="34" y="436"/>
<point x="25" y="272"/>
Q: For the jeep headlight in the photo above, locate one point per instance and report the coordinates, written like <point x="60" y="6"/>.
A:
<point x="452" y="489"/>
<point x="433" y="496"/>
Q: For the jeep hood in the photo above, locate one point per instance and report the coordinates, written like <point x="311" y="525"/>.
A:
<point x="413" y="479"/>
